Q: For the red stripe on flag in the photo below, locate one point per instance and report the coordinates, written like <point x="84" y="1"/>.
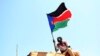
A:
<point x="64" y="16"/>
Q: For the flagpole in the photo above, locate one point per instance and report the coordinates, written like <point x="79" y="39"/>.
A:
<point x="52" y="36"/>
<point x="53" y="41"/>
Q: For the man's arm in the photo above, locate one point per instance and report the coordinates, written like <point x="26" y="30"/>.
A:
<point x="56" y="48"/>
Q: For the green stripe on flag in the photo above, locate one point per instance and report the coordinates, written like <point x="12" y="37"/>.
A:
<point x="61" y="24"/>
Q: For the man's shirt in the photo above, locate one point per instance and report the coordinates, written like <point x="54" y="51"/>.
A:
<point x="62" y="46"/>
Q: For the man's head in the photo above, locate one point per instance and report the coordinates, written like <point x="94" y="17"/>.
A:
<point x="59" y="39"/>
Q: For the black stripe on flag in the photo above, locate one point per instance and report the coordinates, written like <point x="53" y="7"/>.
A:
<point x="59" y="10"/>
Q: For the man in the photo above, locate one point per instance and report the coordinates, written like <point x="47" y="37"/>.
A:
<point x="64" y="48"/>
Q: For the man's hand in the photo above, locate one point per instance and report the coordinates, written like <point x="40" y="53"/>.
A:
<point x="53" y="41"/>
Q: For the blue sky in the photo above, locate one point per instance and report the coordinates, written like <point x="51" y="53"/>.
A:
<point x="24" y="22"/>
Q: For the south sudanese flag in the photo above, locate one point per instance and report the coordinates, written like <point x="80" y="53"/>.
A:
<point x="59" y="18"/>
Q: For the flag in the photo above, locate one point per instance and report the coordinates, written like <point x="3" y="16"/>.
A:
<point x="59" y="18"/>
